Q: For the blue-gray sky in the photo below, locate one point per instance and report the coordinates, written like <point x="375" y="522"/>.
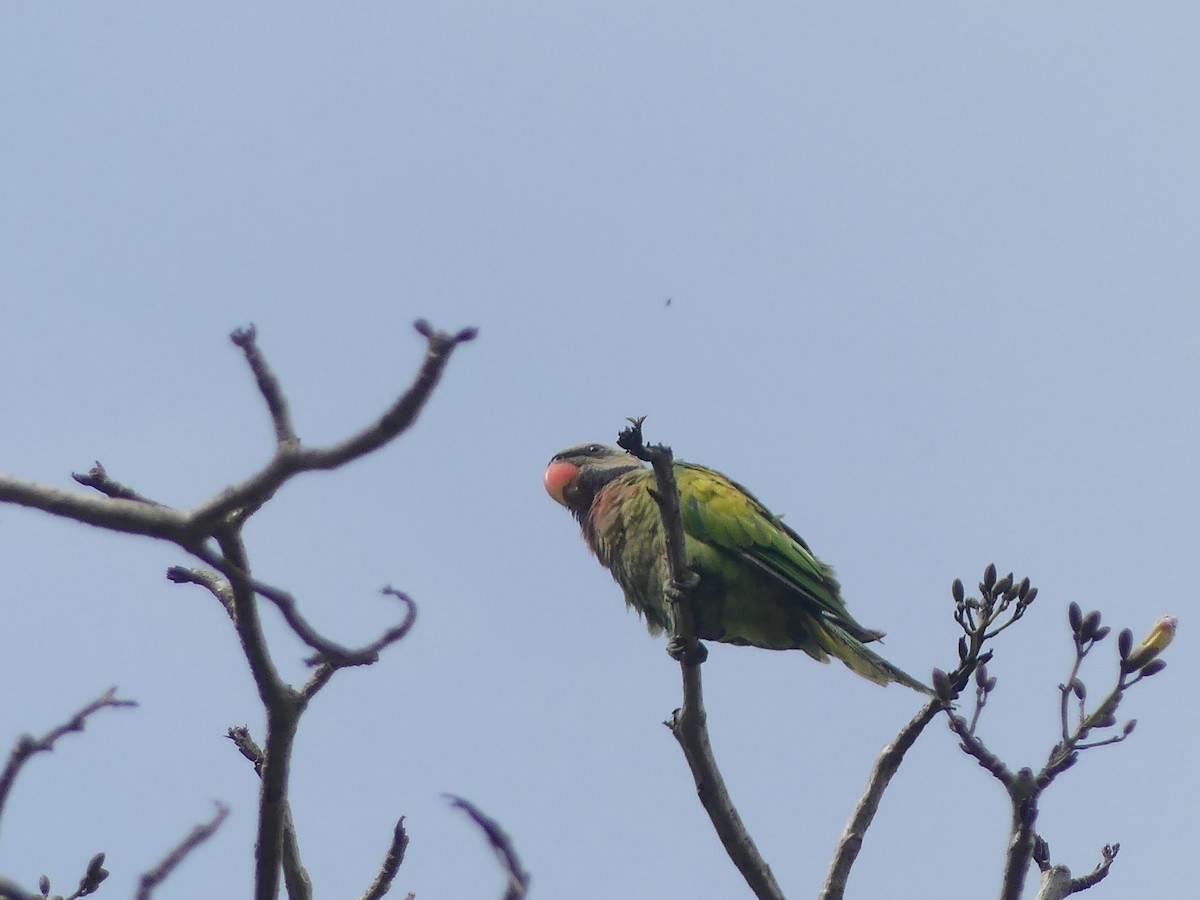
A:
<point x="935" y="293"/>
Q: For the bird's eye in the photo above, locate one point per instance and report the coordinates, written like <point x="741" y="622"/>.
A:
<point x="594" y="448"/>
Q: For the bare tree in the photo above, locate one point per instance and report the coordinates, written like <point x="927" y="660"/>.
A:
<point x="212" y="533"/>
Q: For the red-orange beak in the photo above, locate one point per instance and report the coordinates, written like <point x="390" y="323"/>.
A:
<point x="558" y="475"/>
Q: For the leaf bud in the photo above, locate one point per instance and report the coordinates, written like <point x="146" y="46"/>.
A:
<point x="1125" y="642"/>
<point x="957" y="590"/>
<point x="1075" y="616"/>
<point x="96" y="872"/>
<point x="1078" y="689"/>
<point x="1129" y="726"/>
<point x="44" y="886"/>
<point x="989" y="577"/>
<point x="1090" y="625"/>
<point x="1153" y="667"/>
<point x="1023" y="589"/>
<point x="1101" y="633"/>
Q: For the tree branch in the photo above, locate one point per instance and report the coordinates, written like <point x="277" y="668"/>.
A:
<point x="689" y="723"/>
<point x="97" y="479"/>
<point x="27" y="745"/>
<point x="886" y="765"/>
<point x="290" y="458"/>
<point x="215" y="583"/>
<point x="391" y="864"/>
<point x="197" y="836"/>
<point x="518" y="878"/>
<point x="127" y="516"/>
<point x="219" y="520"/>
<point x="295" y="876"/>
<point x="268" y="384"/>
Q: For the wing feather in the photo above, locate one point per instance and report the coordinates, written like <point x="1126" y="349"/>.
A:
<point x="722" y="513"/>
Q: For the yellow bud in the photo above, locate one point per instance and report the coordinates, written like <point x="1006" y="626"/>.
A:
<point x="1156" y="642"/>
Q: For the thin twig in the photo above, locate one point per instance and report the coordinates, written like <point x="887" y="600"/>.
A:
<point x="518" y="878"/>
<point x="886" y="765"/>
<point x="268" y="384"/>
<point x="290" y="459"/>
<point x="1098" y="874"/>
<point x="240" y="735"/>
<point x="27" y="745"/>
<point x="327" y="650"/>
<point x="197" y="836"/>
<point x="391" y="864"/>
<point x="215" y="583"/>
<point x="97" y="478"/>
<point x="369" y="653"/>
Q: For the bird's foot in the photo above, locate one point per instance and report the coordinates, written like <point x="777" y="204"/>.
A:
<point x="679" y="651"/>
<point x="680" y="590"/>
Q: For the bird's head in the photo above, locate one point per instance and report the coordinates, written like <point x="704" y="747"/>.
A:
<point x="577" y="474"/>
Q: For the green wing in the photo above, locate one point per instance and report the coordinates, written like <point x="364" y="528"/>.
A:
<point x="723" y="514"/>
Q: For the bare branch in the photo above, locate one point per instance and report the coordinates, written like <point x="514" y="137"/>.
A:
<point x="295" y="876"/>
<point x="127" y="516"/>
<point x="220" y="519"/>
<point x="518" y="878"/>
<point x="210" y="579"/>
<point x="198" y="835"/>
<point x="290" y="459"/>
<point x="689" y="723"/>
<point x="240" y="735"/>
<point x="1098" y="874"/>
<point x="319" y="678"/>
<point x="27" y="745"/>
<point x="370" y="653"/>
<point x="98" y="479"/>
<point x="299" y="885"/>
<point x="327" y="650"/>
<point x="975" y="747"/>
<point x="886" y="765"/>
<point x="391" y="864"/>
<point x="1056" y="883"/>
<point x="268" y="384"/>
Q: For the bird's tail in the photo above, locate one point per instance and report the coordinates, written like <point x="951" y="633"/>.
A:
<point x="867" y="663"/>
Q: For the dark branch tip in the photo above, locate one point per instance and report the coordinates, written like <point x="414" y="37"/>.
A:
<point x="424" y="329"/>
<point x="179" y="574"/>
<point x="244" y="337"/>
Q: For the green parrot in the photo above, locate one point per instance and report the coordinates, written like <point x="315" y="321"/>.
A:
<point x="760" y="585"/>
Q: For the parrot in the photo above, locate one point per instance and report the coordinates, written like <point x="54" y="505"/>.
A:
<point x="759" y="583"/>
